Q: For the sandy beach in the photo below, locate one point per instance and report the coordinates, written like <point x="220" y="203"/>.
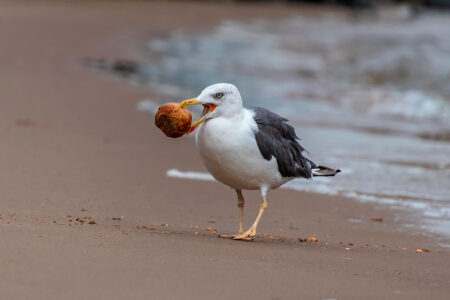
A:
<point x="86" y="208"/>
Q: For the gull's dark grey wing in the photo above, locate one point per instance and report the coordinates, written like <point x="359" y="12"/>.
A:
<point x="277" y="138"/>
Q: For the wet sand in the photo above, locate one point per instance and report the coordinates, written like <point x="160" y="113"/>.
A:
<point x="86" y="210"/>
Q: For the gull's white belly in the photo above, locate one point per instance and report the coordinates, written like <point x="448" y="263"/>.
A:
<point x="229" y="151"/>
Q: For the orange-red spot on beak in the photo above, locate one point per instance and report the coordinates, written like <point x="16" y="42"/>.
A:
<point x="191" y="129"/>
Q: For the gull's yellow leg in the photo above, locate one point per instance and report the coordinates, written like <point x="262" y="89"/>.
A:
<point x="250" y="234"/>
<point x="241" y="211"/>
<point x="240" y="205"/>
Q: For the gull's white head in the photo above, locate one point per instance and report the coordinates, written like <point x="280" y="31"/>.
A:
<point x="220" y="99"/>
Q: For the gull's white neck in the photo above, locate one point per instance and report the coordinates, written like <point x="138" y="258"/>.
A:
<point x="233" y="110"/>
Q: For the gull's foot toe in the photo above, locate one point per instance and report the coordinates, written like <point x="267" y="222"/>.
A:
<point x="246" y="236"/>
<point x="243" y="238"/>
<point x="239" y="236"/>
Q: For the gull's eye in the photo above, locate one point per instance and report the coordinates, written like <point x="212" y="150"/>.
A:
<point x="219" y="95"/>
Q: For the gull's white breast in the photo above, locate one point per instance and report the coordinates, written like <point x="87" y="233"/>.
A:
<point x="228" y="148"/>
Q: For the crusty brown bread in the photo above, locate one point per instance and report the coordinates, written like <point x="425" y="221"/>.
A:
<point x="173" y="120"/>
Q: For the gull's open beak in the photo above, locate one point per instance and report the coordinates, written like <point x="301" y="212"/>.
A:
<point x="207" y="109"/>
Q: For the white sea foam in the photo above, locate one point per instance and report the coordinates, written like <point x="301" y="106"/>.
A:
<point x="189" y="175"/>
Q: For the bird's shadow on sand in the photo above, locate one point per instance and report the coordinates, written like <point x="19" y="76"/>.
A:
<point x="259" y="240"/>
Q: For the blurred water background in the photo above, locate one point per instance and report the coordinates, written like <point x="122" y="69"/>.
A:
<point x="370" y="96"/>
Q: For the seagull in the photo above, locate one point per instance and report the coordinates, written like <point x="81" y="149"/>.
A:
<point x="248" y="148"/>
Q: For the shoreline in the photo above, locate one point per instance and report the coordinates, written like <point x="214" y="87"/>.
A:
<point x="75" y="150"/>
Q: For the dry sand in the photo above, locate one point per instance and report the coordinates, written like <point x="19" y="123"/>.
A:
<point x="73" y="146"/>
